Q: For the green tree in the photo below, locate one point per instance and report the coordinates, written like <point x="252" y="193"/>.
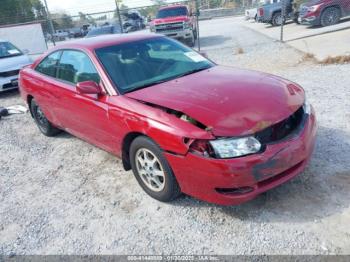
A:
<point x="62" y="21"/>
<point x="21" y="11"/>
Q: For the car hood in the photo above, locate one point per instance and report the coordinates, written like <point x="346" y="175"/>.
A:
<point x="229" y="101"/>
<point x="170" y="20"/>
<point x="311" y="3"/>
<point x="14" y="63"/>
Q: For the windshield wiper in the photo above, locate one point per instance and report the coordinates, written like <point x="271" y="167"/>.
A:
<point x="7" y="56"/>
<point x="147" y="85"/>
<point x="193" y="71"/>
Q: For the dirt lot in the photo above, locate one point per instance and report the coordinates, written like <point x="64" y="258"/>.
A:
<point x="63" y="196"/>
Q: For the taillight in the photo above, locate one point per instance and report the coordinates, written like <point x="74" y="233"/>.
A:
<point x="261" y="12"/>
<point x="201" y="147"/>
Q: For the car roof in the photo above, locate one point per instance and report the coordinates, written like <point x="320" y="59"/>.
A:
<point x="171" y="7"/>
<point x="105" y="40"/>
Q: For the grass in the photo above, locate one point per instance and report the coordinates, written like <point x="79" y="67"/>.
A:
<point x="308" y="57"/>
<point x="239" y="51"/>
<point x="342" y="59"/>
<point x="330" y="60"/>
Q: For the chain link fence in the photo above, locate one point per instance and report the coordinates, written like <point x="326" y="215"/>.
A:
<point x="284" y="20"/>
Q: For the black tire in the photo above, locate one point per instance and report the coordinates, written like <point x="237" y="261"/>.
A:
<point x="330" y="16"/>
<point x="277" y="19"/>
<point x="195" y="34"/>
<point x="41" y="121"/>
<point x="191" y="42"/>
<point x="171" y="188"/>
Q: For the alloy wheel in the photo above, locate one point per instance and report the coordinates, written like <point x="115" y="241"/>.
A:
<point x="150" y="170"/>
<point x="331" y="17"/>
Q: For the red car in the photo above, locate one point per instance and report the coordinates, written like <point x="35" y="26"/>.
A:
<point x="324" y="12"/>
<point x="179" y="121"/>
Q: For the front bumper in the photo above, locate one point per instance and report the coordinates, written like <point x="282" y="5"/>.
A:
<point x="8" y="83"/>
<point x="180" y="35"/>
<point x="201" y="177"/>
<point x="310" y="20"/>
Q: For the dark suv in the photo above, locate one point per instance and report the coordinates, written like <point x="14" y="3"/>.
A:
<point x="324" y="12"/>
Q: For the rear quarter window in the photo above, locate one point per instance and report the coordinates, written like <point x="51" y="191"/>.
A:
<point x="48" y="66"/>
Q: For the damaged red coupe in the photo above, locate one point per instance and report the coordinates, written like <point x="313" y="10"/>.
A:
<point x="182" y="123"/>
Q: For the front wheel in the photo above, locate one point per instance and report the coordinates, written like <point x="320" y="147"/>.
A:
<point x="330" y="16"/>
<point x="192" y="41"/>
<point x="195" y="34"/>
<point x="41" y="121"/>
<point x="152" y="171"/>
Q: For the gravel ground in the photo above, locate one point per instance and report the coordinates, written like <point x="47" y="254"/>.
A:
<point x="63" y="196"/>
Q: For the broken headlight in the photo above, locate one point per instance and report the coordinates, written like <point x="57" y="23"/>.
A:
<point x="226" y="147"/>
<point x="235" y="147"/>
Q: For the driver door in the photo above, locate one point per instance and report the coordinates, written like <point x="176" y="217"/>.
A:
<point x="83" y="115"/>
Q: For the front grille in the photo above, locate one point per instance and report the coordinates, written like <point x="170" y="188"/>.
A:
<point x="169" y="27"/>
<point x="282" y="129"/>
<point x="8" y="86"/>
<point x="9" y="73"/>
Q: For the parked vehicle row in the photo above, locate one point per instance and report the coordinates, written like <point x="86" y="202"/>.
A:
<point x="309" y="12"/>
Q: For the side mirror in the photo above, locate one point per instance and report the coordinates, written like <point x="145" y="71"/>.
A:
<point x="89" y="88"/>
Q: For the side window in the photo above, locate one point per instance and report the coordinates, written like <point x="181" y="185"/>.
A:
<point x="75" y="67"/>
<point x="49" y="65"/>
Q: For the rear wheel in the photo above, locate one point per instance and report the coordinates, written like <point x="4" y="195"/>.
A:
<point x="41" y="121"/>
<point x="152" y="171"/>
<point x="277" y="19"/>
<point x="330" y="16"/>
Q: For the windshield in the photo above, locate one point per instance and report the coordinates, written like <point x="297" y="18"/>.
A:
<point x="140" y="64"/>
<point x="8" y="50"/>
<point x="172" y="12"/>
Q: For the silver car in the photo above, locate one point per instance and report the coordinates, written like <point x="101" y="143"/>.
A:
<point x="11" y="61"/>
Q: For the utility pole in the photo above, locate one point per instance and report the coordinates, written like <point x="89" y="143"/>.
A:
<point x="283" y="14"/>
<point x="119" y="17"/>
<point x="52" y="29"/>
<point x="197" y="25"/>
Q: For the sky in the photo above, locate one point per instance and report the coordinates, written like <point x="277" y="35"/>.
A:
<point x="90" y="6"/>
